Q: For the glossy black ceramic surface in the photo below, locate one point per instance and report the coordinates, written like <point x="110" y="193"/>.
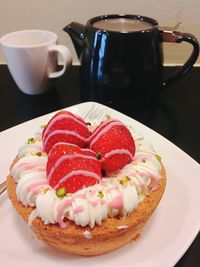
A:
<point x="123" y="70"/>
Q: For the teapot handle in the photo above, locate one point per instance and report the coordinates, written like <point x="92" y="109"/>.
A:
<point x="178" y="37"/>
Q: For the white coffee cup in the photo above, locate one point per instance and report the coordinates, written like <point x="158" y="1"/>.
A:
<point x="31" y="56"/>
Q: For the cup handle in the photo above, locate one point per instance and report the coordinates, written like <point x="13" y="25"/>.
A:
<point x="178" y="37"/>
<point x="66" y="56"/>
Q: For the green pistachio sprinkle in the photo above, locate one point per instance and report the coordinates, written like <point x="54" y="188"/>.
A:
<point x="98" y="155"/>
<point x="39" y="154"/>
<point x="121" y="182"/>
<point x="61" y="192"/>
<point x="108" y="117"/>
<point x="128" y="178"/>
<point x="31" y="140"/>
<point x="100" y="194"/>
<point x="124" y="181"/>
<point x="158" y="157"/>
<point x="42" y="126"/>
<point x="45" y="190"/>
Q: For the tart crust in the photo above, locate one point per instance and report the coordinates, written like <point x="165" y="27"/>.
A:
<point x="111" y="235"/>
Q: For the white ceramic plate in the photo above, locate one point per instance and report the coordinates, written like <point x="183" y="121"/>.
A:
<point x="165" y="238"/>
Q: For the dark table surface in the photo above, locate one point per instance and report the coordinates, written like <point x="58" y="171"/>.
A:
<point x="177" y="116"/>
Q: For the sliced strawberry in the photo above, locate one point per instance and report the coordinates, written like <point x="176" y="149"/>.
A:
<point x="113" y="142"/>
<point x="72" y="167"/>
<point x="66" y="127"/>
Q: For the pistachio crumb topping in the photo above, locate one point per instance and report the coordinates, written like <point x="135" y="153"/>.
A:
<point x="124" y="181"/>
<point x="31" y="140"/>
<point x="158" y="157"/>
<point x="42" y="126"/>
<point x="108" y="117"/>
<point x="98" y="155"/>
<point x="39" y="154"/>
<point x="120" y="181"/>
<point x="44" y="190"/>
<point x="100" y="194"/>
<point x="61" y="192"/>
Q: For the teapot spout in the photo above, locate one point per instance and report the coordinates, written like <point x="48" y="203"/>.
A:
<point x="77" y="33"/>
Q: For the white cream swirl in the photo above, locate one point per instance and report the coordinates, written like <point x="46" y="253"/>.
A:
<point x="90" y="205"/>
<point x="46" y="206"/>
<point x="29" y="149"/>
<point x="29" y="185"/>
<point x="115" y="195"/>
<point x="29" y="172"/>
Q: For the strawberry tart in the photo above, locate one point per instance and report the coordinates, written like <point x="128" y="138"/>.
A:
<point x="86" y="188"/>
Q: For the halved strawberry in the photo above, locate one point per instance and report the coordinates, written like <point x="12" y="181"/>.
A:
<point x="72" y="167"/>
<point x="67" y="127"/>
<point x="114" y="144"/>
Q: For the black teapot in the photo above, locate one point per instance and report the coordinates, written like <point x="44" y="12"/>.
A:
<point x="122" y="59"/>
